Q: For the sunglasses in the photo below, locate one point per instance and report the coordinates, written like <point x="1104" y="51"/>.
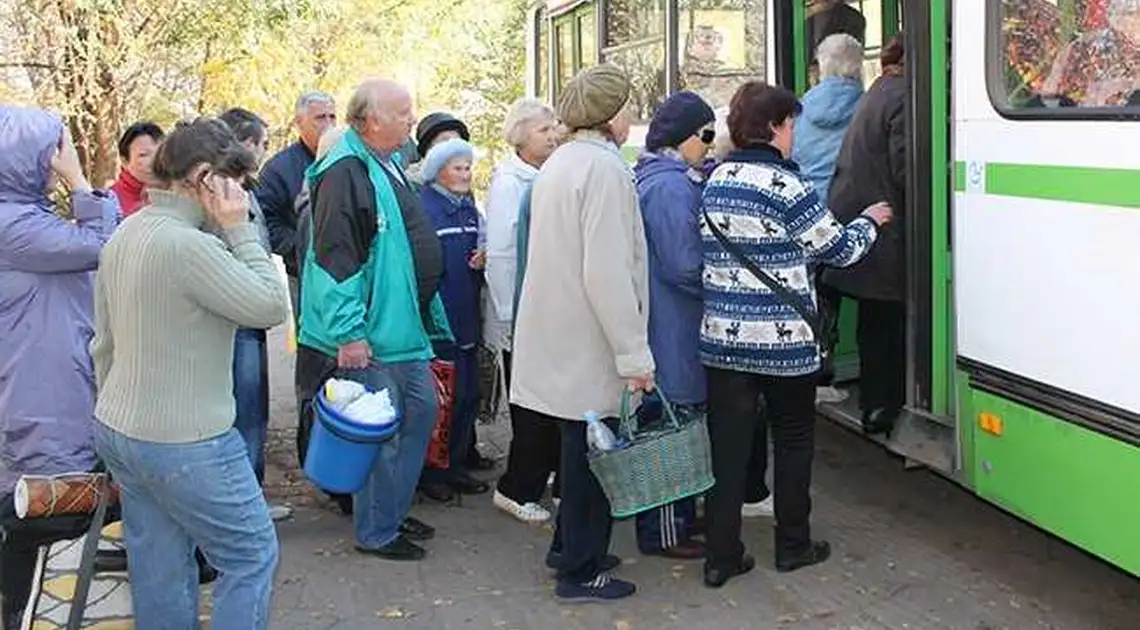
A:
<point x="708" y="135"/>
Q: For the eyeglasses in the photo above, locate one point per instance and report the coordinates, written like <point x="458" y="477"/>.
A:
<point x="708" y="135"/>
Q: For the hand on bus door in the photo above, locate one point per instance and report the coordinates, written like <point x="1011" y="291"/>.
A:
<point x="880" y="213"/>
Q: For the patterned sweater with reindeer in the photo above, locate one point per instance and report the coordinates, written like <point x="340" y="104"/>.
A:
<point x="764" y="206"/>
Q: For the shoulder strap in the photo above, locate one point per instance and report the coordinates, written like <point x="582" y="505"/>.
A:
<point x="809" y="315"/>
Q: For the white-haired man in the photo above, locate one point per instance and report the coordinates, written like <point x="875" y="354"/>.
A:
<point x="370" y="303"/>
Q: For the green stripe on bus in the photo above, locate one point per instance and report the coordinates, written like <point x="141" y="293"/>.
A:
<point x="1076" y="184"/>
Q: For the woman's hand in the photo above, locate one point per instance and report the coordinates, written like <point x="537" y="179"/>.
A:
<point x="478" y="260"/>
<point x="225" y="201"/>
<point x="66" y="164"/>
<point x="880" y="213"/>
<point x="643" y="383"/>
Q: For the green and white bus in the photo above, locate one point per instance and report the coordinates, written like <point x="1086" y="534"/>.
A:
<point x="1022" y="223"/>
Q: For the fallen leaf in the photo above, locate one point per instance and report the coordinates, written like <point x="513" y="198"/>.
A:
<point x="622" y="624"/>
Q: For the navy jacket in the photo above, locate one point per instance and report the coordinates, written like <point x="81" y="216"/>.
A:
<point x="277" y="190"/>
<point x="669" y="194"/>
<point x="456" y="221"/>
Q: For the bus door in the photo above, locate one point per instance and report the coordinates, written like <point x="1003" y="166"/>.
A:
<point x="925" y="434"/>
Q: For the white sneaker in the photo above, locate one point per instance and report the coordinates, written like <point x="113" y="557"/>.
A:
<point x="830" y="394"/>
<point x="280" y="512"/>
<point x="756" y="510"/>
<point x="526" y="512"/>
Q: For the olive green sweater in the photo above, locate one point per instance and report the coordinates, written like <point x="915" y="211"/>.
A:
<point x="168" y="299"/>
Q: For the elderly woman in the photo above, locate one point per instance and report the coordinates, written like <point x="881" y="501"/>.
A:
<point x="581" y="335"/>
<point x="530" y="127"/>
<point x="446" y="196"/>
<point x="47" y="390"/>
<point x="764" y="229"/>
<point x="828" y="110"/>
<point x="165" y="407"/>
<point x="871" y="166"/>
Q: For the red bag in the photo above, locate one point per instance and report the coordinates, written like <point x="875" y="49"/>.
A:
<point x="443" y="373"/>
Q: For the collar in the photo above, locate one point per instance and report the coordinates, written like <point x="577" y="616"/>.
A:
<point x="455" y="199"/>
<point x="762" y="154"/>
<point x="697" y="175"/>
<point x="593" y="136"/>
<point x="130" y="182"/>
<point x="174" y="205"/>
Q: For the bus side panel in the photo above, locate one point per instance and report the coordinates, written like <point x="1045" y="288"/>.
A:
<point x="1075" y="483"/>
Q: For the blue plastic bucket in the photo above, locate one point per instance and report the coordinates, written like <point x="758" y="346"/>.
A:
<point x="341" y="450"/>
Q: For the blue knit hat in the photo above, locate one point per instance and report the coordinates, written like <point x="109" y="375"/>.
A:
<point x="441" y="154"/>
<point x="681" y="115"/>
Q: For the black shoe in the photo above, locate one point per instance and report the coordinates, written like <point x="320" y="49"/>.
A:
<point x="415" y="529"/>
<point x="400" y="549"/>
<point x="715" y="577"/>
<point x="439" y="492"/>
<point x="110" y="561"/>
<point x="466" y="484"/>
<point x="476" y="461"/>
<point x="609" y="562"/>
<point x="343" y="502"/>
<point x="206" y="573"/>
<point x="817" y="551"/>
<point x="879" y="421"/>
<point x="600" y="589"/>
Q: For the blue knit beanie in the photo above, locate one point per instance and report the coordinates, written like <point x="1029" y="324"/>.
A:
<point x="681" y="115"/>
<point x="441" y="154"/>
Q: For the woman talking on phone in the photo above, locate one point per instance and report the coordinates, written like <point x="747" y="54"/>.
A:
<point x="169" y="296"/>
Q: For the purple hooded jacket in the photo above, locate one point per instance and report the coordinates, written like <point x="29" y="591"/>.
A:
<point x="47" y="384"/>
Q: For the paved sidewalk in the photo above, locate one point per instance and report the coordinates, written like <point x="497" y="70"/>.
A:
<point x="912" y="552"/>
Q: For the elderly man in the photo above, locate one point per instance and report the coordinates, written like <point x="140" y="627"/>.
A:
<point x="581" y="332"/>
<point x="280" y="180"/>
<point x="370" y="303"/>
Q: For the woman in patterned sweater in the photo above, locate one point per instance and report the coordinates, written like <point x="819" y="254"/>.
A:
<point x="754" y="340"/>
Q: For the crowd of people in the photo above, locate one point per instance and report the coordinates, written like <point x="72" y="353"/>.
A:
<point x="694" y="277"/>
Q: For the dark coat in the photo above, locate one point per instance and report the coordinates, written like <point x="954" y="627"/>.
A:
<point x="872" y="167"/>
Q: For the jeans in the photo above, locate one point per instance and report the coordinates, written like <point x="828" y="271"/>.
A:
<point x="582" y="532"/>
<point x="251" y="394"/>
<point x="733" y="420"/>
<point x="176" y="496"/>
<point x="536" y="444"/>
<point x="387" y="496"/>
<point x="464" y="414"/>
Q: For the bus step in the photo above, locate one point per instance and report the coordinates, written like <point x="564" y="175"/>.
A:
<point x="923" y="439"/>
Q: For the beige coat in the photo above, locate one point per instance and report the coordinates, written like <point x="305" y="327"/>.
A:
<point x="581" y="325"/>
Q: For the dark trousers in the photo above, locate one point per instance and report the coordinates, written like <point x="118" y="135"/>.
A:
<point x="756" y="487"/>
<point x="829" y="300"/>
<point x="733" y="420"/>
<point x="311" y="371"/>
<point x="666" y="526"/>
<point x="465" y="411"/>
<point x="582" y="532"/>
<point x="881" y="336"/>
<point x="536" y="445"/>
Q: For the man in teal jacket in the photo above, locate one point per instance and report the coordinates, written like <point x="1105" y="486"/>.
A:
<point x="370" y="309"/>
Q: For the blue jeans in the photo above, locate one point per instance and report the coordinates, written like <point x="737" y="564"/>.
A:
<point x="464" y="414"/>
<point x="176" y="497"/>
<point x="251" y="394"/>
<point x="385" y="500"/>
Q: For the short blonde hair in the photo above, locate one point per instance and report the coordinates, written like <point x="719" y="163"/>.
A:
<point x="722" y="145"/>
<point x="521" y="115"/>
<point x="840" y="55"/>
<point x="329" y="138"/>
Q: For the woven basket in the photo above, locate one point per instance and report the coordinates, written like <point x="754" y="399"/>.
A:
<point x="658" y="467"/>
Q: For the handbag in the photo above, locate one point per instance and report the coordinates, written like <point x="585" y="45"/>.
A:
<point x="657" y="466"/>
<point x="806" y="312"/>
<point x="439" y="448"/>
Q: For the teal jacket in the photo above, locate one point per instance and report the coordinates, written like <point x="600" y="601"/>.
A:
<point x="381" y="308"/>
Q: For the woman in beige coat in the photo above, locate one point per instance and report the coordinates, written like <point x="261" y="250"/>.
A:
<point x="580" y="335"/>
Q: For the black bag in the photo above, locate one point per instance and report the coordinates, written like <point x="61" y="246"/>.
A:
<point x="806" y="312"/>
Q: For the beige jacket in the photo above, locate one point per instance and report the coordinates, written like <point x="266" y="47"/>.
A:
<point x="581" y="325"/>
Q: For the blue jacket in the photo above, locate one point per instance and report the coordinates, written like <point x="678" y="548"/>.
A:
<point x="828" y="110"/>
<point x="278" y="186"/>
<point x="767" y="209"/>
<point x="456" y="222"/>
<point x="669" y="193"/>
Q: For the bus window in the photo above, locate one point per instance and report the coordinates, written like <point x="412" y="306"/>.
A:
<point x="1068" y="54"/>
<point x="635" y="41"/>
<point x="865" y="20"/>
<point x="721" y="45"/>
